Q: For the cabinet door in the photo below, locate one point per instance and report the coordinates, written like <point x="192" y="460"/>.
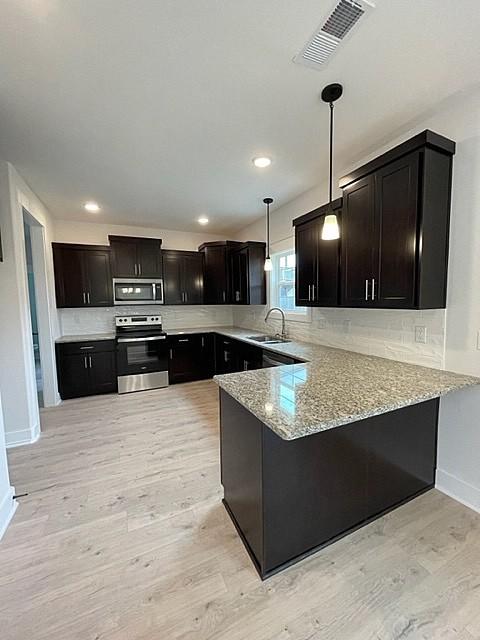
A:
<point x="70" y="282"/>
<point x="240" y="276"/>
<point x="185" y="358"/>
<point x="149" y="262"/>
<point x="306" y="241"/>
<point x="216" y="289"/>
<point x="73" y="376"/>
<point x="206" y="357"/>
<point x="124" y="258"/>
<point x="396" y="197"/>
<point x="226" y="356"/>
<point x="193" y="278"/>
<point x="99" y="279"/>
<point x="359" y="242"/>
<point x="103" y="376"/>
<point x="173" y="277"/>
<point x="326" y="289"/>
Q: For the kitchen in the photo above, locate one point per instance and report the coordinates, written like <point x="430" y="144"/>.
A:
<point x="344" y="444"/>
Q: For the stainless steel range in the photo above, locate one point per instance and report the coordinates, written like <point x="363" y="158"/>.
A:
<point x="142" y="353"/>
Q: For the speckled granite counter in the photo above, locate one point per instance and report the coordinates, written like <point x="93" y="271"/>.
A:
<point x="89" y="337"/>
<point x="334" y="388"/>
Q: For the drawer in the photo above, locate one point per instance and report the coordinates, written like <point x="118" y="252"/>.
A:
<point x="94" y="346"/>
<point x="185" y="339"/>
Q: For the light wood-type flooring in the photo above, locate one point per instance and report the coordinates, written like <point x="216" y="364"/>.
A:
<point x="123" y="537"/>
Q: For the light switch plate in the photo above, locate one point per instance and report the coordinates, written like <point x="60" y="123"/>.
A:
<point x="421" y="334"/>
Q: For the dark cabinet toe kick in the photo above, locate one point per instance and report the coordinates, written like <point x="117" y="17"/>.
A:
<point x="289" y="499"/>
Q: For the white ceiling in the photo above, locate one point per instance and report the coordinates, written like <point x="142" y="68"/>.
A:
<point x="154" y="108"/>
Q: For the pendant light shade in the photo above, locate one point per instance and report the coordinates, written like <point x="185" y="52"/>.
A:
<point x="268" y="261"/>
<point x="331" y="229"/>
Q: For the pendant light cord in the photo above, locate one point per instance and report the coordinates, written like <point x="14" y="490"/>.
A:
<point x="268" y="230"/>
<point x="331" y="152"/>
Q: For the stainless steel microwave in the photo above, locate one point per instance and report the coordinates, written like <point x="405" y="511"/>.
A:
<point x="128" y="291"/>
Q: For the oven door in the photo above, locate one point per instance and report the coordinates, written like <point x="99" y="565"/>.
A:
<point x="138" y="291"/>
<point x="141" y="355"/>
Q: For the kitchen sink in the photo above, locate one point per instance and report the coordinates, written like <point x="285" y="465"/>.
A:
<point x="267" y="339"/>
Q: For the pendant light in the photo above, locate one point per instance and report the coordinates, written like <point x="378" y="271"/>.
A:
<point x="331" y="230"/>
<point x="268" y="261"/>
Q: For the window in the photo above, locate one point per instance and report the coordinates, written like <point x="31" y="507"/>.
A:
<point x="282" y="286"/>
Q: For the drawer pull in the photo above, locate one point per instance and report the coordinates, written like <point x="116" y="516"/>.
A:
<point x="86" y="348"/>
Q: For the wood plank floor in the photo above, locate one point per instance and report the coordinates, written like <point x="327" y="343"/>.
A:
<point x="123" y="537"/>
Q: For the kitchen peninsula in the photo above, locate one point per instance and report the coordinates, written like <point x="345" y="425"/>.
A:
<point x="314" y="450"/>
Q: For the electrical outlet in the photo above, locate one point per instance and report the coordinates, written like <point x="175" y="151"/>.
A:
<point x="322" y="323"/>
<point x="421" y="334"/>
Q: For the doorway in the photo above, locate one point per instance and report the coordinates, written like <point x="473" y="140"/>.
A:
<point x="32" y="300"/>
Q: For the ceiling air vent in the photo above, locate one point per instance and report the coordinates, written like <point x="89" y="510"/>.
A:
<point x="332" y="32"/>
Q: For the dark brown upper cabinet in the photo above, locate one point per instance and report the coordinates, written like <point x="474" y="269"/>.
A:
<point x="136" y="257"/>
<point x="395" y="227"/>
<point x="217" y="271"/>
<point x="317" y="261"/>
<point x="183" y="277"/>
<point x="82" y="275"/>
<point x="248" y="283"/>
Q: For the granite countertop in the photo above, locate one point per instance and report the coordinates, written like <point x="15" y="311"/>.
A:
<point x="335" y="387"/>
<point x="329" y="388"/>
<point x="88" y="337"/>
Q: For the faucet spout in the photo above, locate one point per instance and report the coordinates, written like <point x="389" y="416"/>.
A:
<point x="284" y="332"/>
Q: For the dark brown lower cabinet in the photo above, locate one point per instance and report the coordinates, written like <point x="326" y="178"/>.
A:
<point x="288" y="499"/>
<point x="86" y="368"/>
<point x="191" y="357"/>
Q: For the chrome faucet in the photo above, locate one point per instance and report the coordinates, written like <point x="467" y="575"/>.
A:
<point x="283" y="335"/>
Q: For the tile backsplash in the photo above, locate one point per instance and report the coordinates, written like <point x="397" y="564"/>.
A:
<point x="380" y="332"/>
<point x="101" y="319"/>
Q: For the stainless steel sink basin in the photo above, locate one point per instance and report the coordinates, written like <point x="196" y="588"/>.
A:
<point x="267" y="339"/>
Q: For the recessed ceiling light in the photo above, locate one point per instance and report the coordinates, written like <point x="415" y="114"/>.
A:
<point x="203" y="220"/>
<point x="262" y="162"/>
<point x="91" y="207"/>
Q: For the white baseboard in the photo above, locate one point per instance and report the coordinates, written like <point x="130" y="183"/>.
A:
<point x="22" y="437"/>
<point x="7" y="508"/>
<point x="458" y="489"/>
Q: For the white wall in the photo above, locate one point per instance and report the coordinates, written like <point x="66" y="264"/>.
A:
<point x="452" y="334"/>
<point x="7" y="503"/>
<point x="91" y="232"/>
<point x="17" y="373"/>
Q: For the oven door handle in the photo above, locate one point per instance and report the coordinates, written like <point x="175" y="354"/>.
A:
<point x="147" y="339"/>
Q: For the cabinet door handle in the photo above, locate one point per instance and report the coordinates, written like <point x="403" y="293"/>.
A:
<point x="313" y="293"/>
<point x="309" y="294"/>
<point x="88" y="297"/>
<point x="90" y="361"/>
<point x="139" y="269"/>
<point x="245" y="365"/>
<point x="373" y="288"/>
<point x="83" y="348"/>
<point x="85" y="362"/>
<point x="135" y="268"/>
<point x="84" y="298"/>
<point x="186" y="296"/>
<point x="171" y="354"/>
<point x="184" y="340"/>
<point x="224" y="296"/>
<point x="203" y="342"/>
<point x="366" y="289"/>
